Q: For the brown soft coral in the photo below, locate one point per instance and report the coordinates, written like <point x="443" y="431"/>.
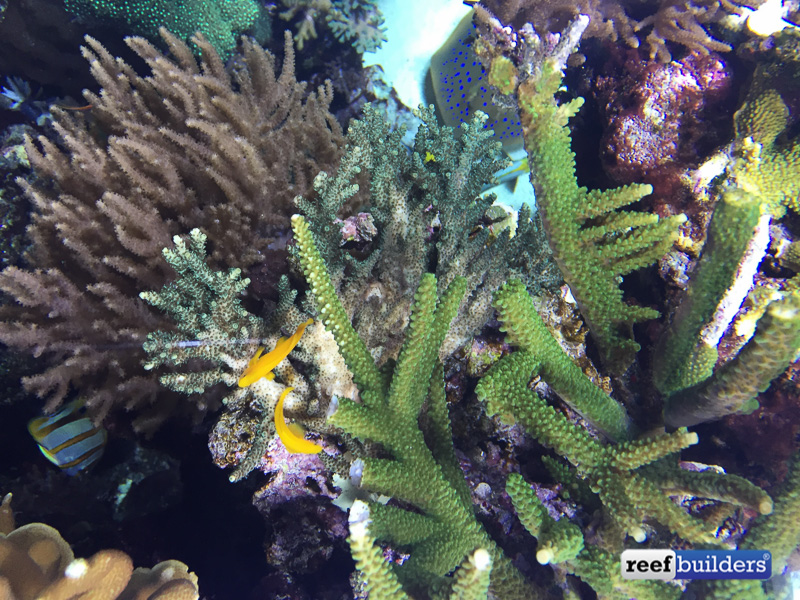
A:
<point x="37" y="564"/>
<point x="193" y="144"/>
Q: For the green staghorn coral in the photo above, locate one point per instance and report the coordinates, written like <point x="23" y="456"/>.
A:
<point x="735" y="386"/>
<point x="558" y="540"/>
<point x="562" y="542"/>
<point x="526" y="329"/>
<point x="431" y="515"/>
<point x="779" y="533"/>
<point x="220" y="21"/>
<point x="470" y="582"/>
<point x="593" y="242"/>
<point x="763" y="181"/>
<point x="688" y="349"/>
<point x="630" y="476"/>
<point x="442" y="529"/>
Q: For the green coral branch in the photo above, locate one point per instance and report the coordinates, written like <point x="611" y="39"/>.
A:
<point x="779" y="533"/>
<point x="763" y="182"/>
<point x="472" y="579"/>
<point x="591" y="255"/>
<point x="600" y="569"/>
<point x="442" y="529"/>
<point x="625" y="475"/>
<point x="735" y="386"/>
<point x="737" y="490"/>
<point x="627" y="497"/>
<point x="380" y="579"/>
<point x="558" y="540"/>
<point x="505" y="390"/>
<point x="562" y="542"/>
<point x="526" y="329"/>
<point x="470" y="582"/>
<point x="332" y="314"/>
<point x="685" y="357"/>
<point x="405" y="394"/>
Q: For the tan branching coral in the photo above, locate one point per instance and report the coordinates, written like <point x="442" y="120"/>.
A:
<point x="677" y="21"/>
<point x="190" y="145"/>
<point x="682" y="23"/>
<point x="37" y="564"/>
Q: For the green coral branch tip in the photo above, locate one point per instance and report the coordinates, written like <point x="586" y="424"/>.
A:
<point x="527" y="330"/>
<point x="560" y="540"/>
<point x="735" y="386"/>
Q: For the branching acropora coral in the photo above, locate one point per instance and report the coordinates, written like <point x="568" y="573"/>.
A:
<point x="442" y="529"/>
<point x="558" y="540"/>
<point x="217" y="333"/>
<point x="470" y="582"/>
<point x="526" y="329"/>
<point x="735" y="386"/>
<point x="427" y="208"/>
<point x="562" y="542"/>
<point x="630" y="477"/>
<point x="593" y="242"/>
<point x="688" y="350"/>
<point x="762" y="184"/>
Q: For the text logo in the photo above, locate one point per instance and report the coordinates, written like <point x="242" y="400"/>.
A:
<point x="696" y="564"/>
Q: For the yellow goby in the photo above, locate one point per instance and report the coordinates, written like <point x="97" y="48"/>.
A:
<point x="261" y="366"/>
<point x="288" y="433"/>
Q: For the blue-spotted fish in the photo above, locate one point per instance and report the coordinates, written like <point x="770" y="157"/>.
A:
<point x="460" y="88"/>
<point x="69" y="439"/>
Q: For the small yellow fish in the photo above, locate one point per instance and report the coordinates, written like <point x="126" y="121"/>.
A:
<point x="292" y="435"/>
<point x="261" y="366"/>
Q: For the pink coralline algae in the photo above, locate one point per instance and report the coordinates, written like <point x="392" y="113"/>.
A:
<point x="360" y="228"/>
<point x="303" y="527"/>
<point x="292" y="476"/>
<point x="659" y="118"/>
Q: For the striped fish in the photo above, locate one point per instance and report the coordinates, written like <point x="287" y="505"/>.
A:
<point x="69" y="439"/>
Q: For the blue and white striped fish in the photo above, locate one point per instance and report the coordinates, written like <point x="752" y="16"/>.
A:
<point x="69" y="439"/>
